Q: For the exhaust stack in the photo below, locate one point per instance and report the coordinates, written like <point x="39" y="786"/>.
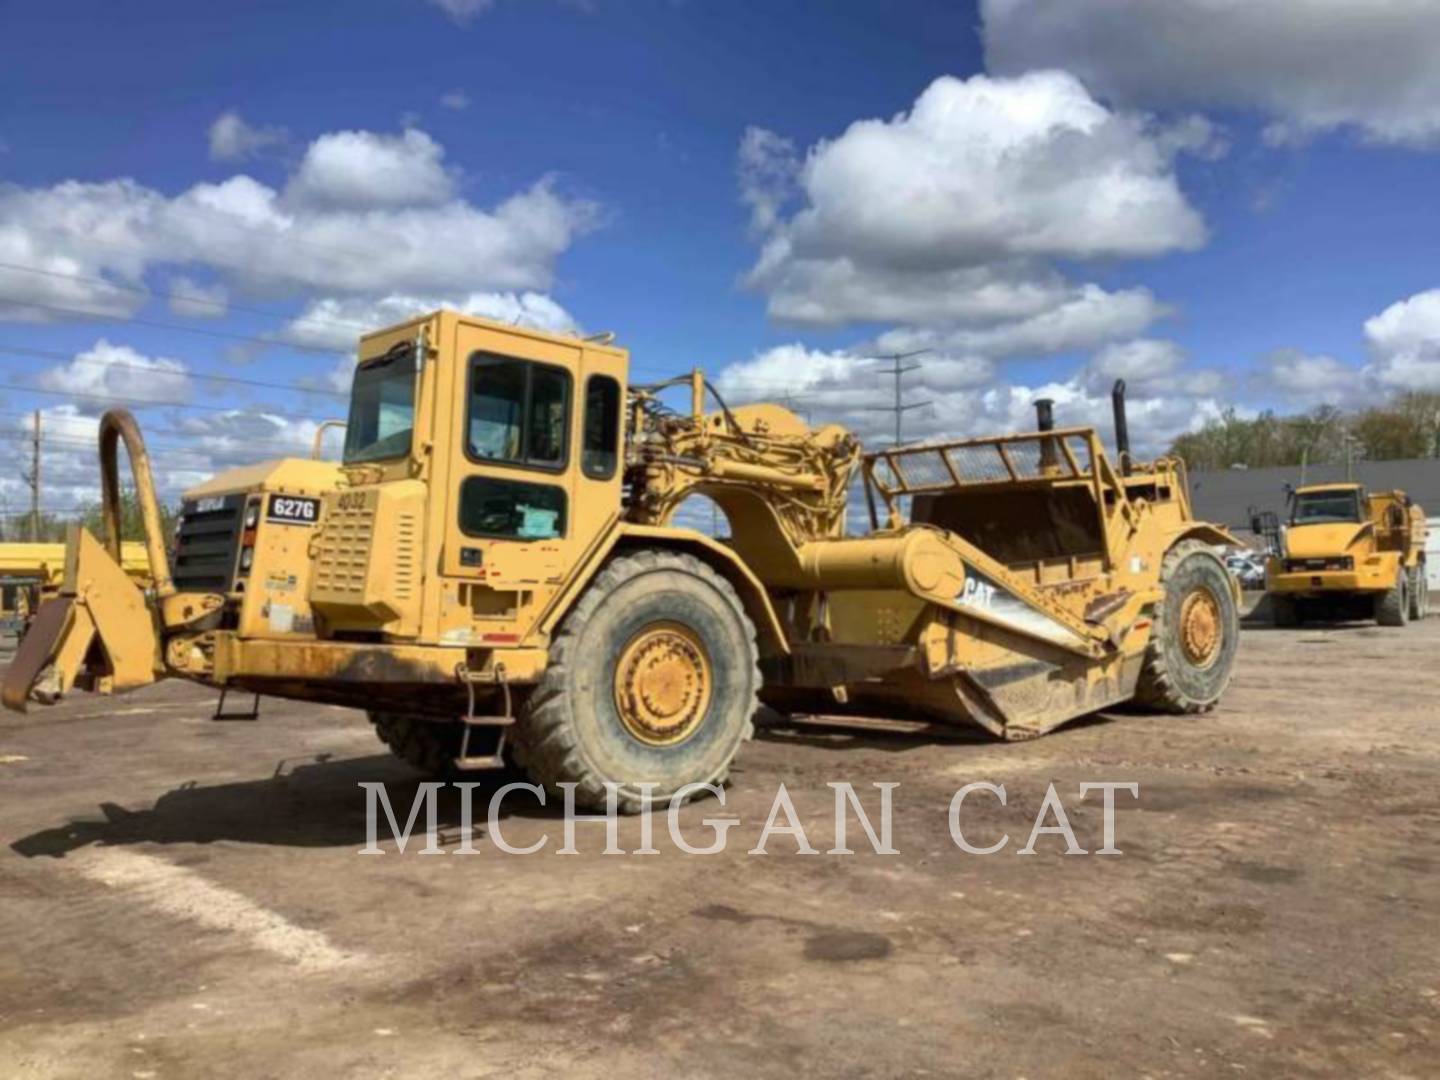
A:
<point x="1122" y="426"/>
<point x="1045" y="414"/>
<point x="1045" y="421"/>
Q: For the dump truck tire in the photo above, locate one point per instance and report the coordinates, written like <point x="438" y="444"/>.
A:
<point x="1284" y="612"/>
<point x="1419" y="593"/>
<point x="1393" y="607"/>
<point x="652" y="678"/>
<point x="1196" y="632"/>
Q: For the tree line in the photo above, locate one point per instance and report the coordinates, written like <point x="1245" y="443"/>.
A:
<point x="19" y="528"/>
<point x="1407" y="426"/>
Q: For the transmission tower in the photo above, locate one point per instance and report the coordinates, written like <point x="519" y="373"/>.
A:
<point x="898" y="368"/>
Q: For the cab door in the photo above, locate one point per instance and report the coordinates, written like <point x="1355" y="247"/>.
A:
<point x="530" y="489"/>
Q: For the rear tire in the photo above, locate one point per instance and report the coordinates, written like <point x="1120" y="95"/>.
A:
<point x="653" y="678"/>
<point x="1393" y="608"/>
<point x="428" y="745"/>
<point x="1195" y="635"/>
<point x="1419" y="593"/>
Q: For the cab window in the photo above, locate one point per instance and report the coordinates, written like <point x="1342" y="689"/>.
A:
<point x="382" y="407"/>
<point x="600" y="453"/>
<point x="1326" y="507"/>
<point x="519" y="412"/>
<point x="495" y="508"/>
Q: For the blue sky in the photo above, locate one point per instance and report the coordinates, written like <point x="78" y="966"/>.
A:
<point x="1224" y="226"/>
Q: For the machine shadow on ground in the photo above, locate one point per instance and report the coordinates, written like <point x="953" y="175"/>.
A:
<point x="313" y="805"/>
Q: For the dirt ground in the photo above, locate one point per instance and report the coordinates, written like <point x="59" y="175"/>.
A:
<point x="180" y="897"/>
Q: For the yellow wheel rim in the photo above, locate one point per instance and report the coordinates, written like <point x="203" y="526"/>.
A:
<point x="663" y="684"/>
<point x="1200" y="627"/>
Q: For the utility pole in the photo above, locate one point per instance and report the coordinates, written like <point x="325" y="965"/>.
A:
<point x="897" y="368"/>
<point x="33" y="478"/>
<point x="1350" y="441"/>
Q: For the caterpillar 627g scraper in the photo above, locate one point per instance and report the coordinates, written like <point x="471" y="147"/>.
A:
<point x="494" y="572"/>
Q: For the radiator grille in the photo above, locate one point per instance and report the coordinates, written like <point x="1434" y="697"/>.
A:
<point x="206" y="543"/>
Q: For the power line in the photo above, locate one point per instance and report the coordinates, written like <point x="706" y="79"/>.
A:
<point x="185" y="433"/>
<point x="155" y="294"/>
<point x="76" y="443"/>
<point x="49" y="354"/>
<point x="147" y="402"/>
<point x="169" y="453"/>
<point x="157" y="324"/>
<point x="778" y="384"/>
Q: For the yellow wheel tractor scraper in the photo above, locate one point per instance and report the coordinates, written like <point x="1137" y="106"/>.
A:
<point x="495" y="572"/>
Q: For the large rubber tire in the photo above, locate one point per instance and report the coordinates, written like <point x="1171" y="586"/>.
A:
<point x="428" y="745"/>
<point x="1419" y="593"/>
<point x="572" y="731"/>
<point x="1393" y="607"/>
<point x="1171" y="680"/>
<point x="1284" y="611"/>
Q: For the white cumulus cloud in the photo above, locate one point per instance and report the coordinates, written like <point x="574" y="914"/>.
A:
<point x="336" y="323"/>
<point x="1404" y="343"/>
<point x="364" y="214"/>
<point x="951" y="219"/>
<point x="366" y="169"/>
<point x="118" y="371"/>
<point x="1308" y="65"/>
<point x="233" y="139"/>
<point x="1307" y="379"/>
<point x="966" y="395"/>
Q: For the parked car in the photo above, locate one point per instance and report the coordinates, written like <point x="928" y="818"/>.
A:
<point x="1249" y="570"/>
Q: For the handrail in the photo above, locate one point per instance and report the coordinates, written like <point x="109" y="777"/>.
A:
<point x="115" y="425"/>
<point x="1065" y="468"/>
<point x="320" y="430"/>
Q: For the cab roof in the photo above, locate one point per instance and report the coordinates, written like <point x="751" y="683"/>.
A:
<point x="1316" y="488"/>
<point x="459" y="317"/>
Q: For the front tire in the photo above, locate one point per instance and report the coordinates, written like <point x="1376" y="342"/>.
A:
<point x="1195" y="635"/>
<point x="1393" y="608"/>
<point x="653" y="678"/>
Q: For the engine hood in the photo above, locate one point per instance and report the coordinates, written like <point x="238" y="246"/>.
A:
<point x="280" y="474"/>
<point x="1320" y="540"/>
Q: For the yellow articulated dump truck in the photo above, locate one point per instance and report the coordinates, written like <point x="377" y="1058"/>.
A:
<point x="495" y="573"/>
<point x="1346" y="554"/>
<point x="28" y="571"/>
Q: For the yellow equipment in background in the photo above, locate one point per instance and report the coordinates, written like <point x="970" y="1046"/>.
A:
<point x="28" y="571"/>
<point x="1348" y="554"/>
<point x="497" y="570"/>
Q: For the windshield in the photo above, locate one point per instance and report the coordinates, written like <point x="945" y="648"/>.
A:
<point x="382" y="408"/>
<point x="1320" y="507"/>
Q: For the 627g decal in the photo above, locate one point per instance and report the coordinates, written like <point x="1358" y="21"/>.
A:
<point x="293" y="510"/>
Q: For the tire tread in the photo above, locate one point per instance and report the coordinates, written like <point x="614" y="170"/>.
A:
<point x="546" y="742"/>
